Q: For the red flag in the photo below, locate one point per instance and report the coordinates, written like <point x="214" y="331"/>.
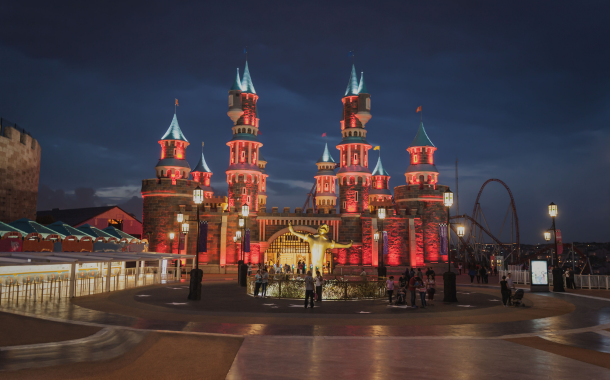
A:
<point x="418" y="109"/>
<point x="324" y="134"/>
<point x="176" y="101"/>
<point x="260" y="133"/>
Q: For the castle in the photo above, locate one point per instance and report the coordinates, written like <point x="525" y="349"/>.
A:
<point x="413" y="213"/>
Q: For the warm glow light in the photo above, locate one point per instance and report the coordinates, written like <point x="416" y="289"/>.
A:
<point x="461" y="231"/>
<point x="198" y="196"/>
<point x="381" y="213"/>
<point x="245" y="210"/>
<point x="553" y="210"/>
<point x="185" y="228"/>
<point x="238" y="234"/>
<point x="235" y="239"/>
<point x="376" y="236"/>
<point x="547" y="235"/>
<point x="448" y="198"/>
<point x="180" y="217"/>
<point x="171" y="235"/>
<point x="241" y="222"/>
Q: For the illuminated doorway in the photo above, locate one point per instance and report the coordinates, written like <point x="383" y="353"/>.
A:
<point x="288" y="249"/>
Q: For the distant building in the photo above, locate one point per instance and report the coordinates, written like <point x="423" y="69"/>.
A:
<point x="19" y="173"/>
<point x="99" y="217"/>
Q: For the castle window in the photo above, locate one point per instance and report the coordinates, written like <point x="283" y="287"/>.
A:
<point x="326" y="187"/>
<point x="344" y="204"/>
<point x="356" y="196"/>
<point x="248" y="199"/>
<point x="368" y="103"/>
<point x="230" y="101"/>
<point x="415" y="159"/>
<point x="243" y="155"/>
<point x="243" y="190"/>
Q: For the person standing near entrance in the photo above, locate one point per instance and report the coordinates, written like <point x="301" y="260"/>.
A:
<point x="309" y="283"/>
<point x="257" y="285"/>
<point x="319" y="283"/>
<point x="412" y="289"/>
<point x="390" y="287"/>
<point x="504" y="290"/>
<point x="460" y="267"/>
<point x="264" y="282"/>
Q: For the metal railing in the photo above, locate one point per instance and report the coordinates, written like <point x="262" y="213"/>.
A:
<point x="39" y="289"/>
<point x="333" y="289"/>
<point x="581" y="281"/>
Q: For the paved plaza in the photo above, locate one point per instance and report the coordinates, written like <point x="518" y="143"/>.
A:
<point x="155" y="332"/>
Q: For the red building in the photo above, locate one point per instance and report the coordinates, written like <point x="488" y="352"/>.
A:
<point x="413" y="212"/>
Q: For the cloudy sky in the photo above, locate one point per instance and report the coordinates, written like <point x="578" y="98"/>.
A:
<point x="517" y="90"/>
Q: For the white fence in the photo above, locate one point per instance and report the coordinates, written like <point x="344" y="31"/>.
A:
<point x="581" y="281"/>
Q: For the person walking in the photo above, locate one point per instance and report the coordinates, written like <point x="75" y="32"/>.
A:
<point x="257" y="283"/>
<point x="411" y="273"/>
<point x="264" y="282"/>
<point x="412" y="289"/>
<point x="504" y="290"/>
<point x="472" y="272"/>
<point x="390" y="287"/>
<point x="319" y="283"/>
<point x="422" y="291"/>
<point x="431" y="290"/>
<point x="482" y="273"/>
<point x="511" y="286"/>
<point x="460" y="267"/>
<point x="309" y="288"/>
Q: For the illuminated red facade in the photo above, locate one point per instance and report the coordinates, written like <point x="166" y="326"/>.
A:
<point x="413" y="210"/>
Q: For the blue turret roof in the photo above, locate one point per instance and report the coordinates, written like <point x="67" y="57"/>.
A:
<point x="326" y="157"/>
<point x="260" y="157"/>
<point x="421" y="138"/>
<point x="236" y="82"/>
<point x="202" y="166"/>
<point x="174" y="132"/>
<point x="352" y="85"/>
<point x="246" y="83"/>
<point x="362" y="87"/>
<point x="379" y="170"/>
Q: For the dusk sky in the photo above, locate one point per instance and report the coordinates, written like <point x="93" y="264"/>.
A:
<point x="518" y="91"/>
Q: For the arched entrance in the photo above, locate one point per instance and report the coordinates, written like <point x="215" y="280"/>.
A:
<point x="287" y="248"/>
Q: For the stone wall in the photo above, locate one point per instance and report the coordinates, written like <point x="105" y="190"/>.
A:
<point x="19" y="174"/>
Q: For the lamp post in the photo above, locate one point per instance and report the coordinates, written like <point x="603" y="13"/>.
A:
<point x="461" y="231"/>
<point x="171" y="241"/>
<point x="198" y="199"/>
<point x="242" y="272"/>
<point x="557" y="272"/>
<point x="449" y="278"/>
<point x="196" y="274"/>
<point x="381" y="272"/>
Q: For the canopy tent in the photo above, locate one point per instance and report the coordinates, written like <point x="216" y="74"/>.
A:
<point x="5" y="228"/>
<point x="119" y="234"/>
<point x="66" y="229"/>
<point x="28" y="226"/>
<point x="95" y="232"/>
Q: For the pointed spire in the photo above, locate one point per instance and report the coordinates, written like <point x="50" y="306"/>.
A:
<point x="352" y="85"/>
<point x="379" y="170"/>
<point x="326" y="157"/>
<point x="202" y="167"/>
<point x="362" y="87"/>
<point x="236" y="83"/>
<point x="174" y="132"/>
<point x="246" y="83"/>
<point x="421" y="138"/>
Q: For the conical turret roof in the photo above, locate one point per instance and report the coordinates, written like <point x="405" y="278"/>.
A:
<point x="202" y="166"/>
<point x="326" y="157"/>
<point x="236" y="82"/>
<point x="261" y="158"/>
<point x="421" y="138"/>
<point x="379" y="170"/>
<point x="174" y="132"/>
<point x="246" y="83"/>
<point x="352" y="85"/>
<point x="362" y="87"/>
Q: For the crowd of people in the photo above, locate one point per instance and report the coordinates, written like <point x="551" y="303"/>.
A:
<point x="413" y="283"/>
<point x="481" y="272"/>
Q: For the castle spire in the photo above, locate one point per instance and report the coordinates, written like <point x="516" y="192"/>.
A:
<point x="352" y="85"/>
<point x="362" y="87"/>
<point x="326" y="157"/>
<point x="325" y="197"/>
<point x="421" y="138"/>
<point x="202" y="166"/>
<point x="173" y="147"/>
<point x="246" y="83"/>
<point x="174" y="132"/>
<point x="379" y="170"/>
<point x="236" y="82"/>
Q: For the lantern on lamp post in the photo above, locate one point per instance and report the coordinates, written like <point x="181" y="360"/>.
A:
<point x="461" y="231"/>
<point x="557" y="272"/>
<point x="449" y="278"/>
<point x="381" y="271"/>
<point x="242" y="267"/>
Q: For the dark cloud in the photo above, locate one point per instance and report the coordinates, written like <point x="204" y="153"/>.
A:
<point x="516" y="90"/>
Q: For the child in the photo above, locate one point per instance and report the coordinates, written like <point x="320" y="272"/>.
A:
<point x="431" y="290"/>
<point x="402" y="296"/>
<point x="422" y="293"/>
<point x="390" y="287"/>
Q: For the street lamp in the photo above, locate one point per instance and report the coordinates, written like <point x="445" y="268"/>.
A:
<point x="180" y="217"/>
<point x="557" y="273"/>
<point x="449" y="278"/>
<point x="243" y="224"/>
<point x="381" y="215"/>
<point x="198" y="199"/>
<point x="461" y="231"/>
<point x="547" y="236"/>
<point x="171" y="240"/>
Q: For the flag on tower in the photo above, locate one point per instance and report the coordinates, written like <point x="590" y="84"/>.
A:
<point x="376" y="148"/>
<point x="260" y="133"/>
<point x="176" y="101"/>
<point x="324" y="134"/>
<point x="418" y="109"/>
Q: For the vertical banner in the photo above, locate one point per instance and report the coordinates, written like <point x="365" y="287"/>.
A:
<point x="181" y="242"/>
<point x="442" y="234"/>
<point x="203" y="236"/>
<point x="247" y="241"/>
<point x="559" y="242"/>
<point x="385" y="243"/>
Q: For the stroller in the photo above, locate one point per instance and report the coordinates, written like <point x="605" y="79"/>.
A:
<point x="517" y="298"/>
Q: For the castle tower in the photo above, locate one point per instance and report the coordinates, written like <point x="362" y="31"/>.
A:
<point x="201" y="175"/>
<point x="244" y="175"/>
<point x="262" y="187"/>
<point x="422" y="170"/>
<point x="380" y="194"/>
<point x="173" y="149"/>
<point x="354" y="174"/>
<point x="326" y="199"/>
